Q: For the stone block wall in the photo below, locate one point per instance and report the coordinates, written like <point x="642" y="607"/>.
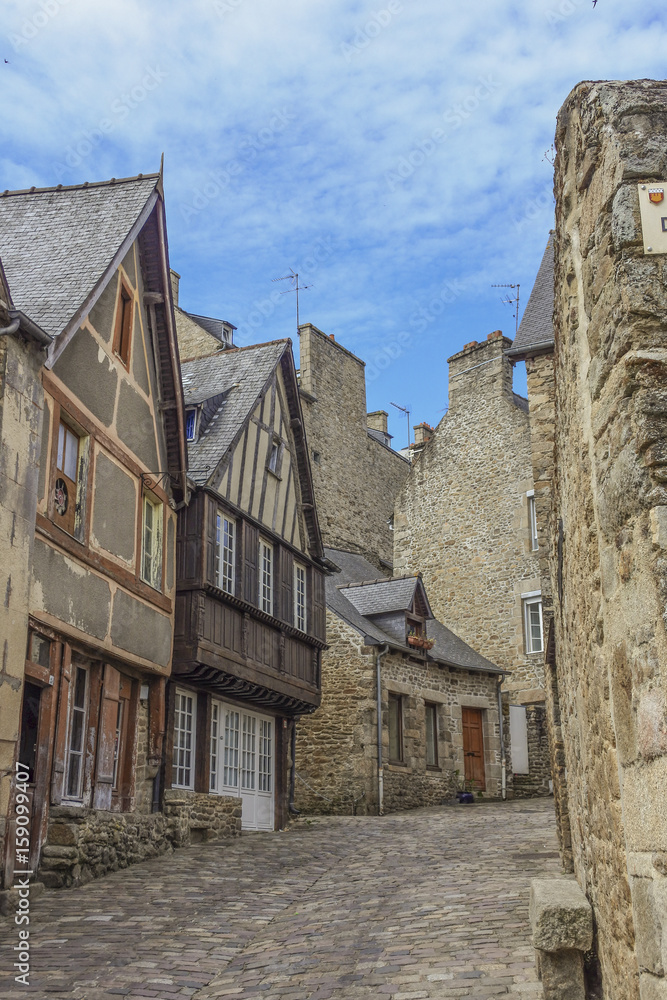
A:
<point x="609" y="557"/>
<point x="83" y="844"/>
<point x="337" y="746"/>
<point x="355" y="476"/>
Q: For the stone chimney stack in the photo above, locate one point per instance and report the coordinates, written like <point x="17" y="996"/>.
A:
<point x="423" y="434"/>
<point x="480" y="374"/>
<point x="377" y="421"/>
<point x="175" y="280"/>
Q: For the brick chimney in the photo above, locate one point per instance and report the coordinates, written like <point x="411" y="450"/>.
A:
<point x="481" y="374"/>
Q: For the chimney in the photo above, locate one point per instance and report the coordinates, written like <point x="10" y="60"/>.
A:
<point x="175" y="279"/>
<point x="377" y="420"/>
<point x="480" y="375"/>
<point x="423" y="434"/>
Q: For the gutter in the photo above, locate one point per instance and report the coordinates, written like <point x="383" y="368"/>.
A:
<point x="19" y="321"/>
<point x="503" y="758"/>
<point x="378" y="675"/>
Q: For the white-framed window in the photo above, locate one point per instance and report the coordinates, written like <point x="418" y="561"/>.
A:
<point x="215" y="736"/>
<point x="300" y="597"/>
<point x="532" y="521"/>
<point x="191" y="425"/>
<point x="225" y="543"/>
<point x="151" y="542"/>
<point x="532" y="623"/>
<point x="76" y="734"/>
<point x="184" y="740"/>
<point x="230" y="774"/>
<point x="265" y="576"/>
<point x="248" y="751"/>
<point x="265" y="755"/>
<point x="274" y="457"/>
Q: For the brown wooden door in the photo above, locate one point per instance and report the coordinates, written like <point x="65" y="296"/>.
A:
<point x="473" y="747"/>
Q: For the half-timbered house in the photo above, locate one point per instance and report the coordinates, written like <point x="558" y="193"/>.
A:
<point x="89" y="265"/>
<point x="250" y="622"/>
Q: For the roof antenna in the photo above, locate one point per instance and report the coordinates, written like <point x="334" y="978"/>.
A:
<point x="510" y="302"/>
<point x="407" y="415"/>
<point x="296" y="287"/>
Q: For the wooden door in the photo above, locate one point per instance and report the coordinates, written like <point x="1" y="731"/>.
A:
<point x="473" y="747"/>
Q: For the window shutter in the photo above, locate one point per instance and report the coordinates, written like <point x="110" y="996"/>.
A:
<point x="211" y="562"/>
<point x="106" y="741"/>
<point x="250" y="561"/>
<point x="58" y="774"/>
<point x="318" y="627"/>
<point x="286" y="586"/>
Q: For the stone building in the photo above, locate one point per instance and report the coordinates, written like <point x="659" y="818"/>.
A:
<point x="112" y="470"/>
<point x="436" y="699"/>
<point x="250" y="625"/>
<point x="465" y="518"/>
<point x="608" y="561"/>
<point x="356" y="473"/>
<point x="22" y="353"/>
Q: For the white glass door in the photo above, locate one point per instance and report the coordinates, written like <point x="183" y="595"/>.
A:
<point x="243" y="762"/>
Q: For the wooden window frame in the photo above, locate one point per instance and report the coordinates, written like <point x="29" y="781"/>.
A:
<point x="124" y="328"/>
<point x="225" y="581"/>
<point x="300" y="607"/>
<point x="394" y="698"/>
<point x="154" y="578"/>
<point x="528" y="602"/>
<point x="431" y="708"/>
<point x="77" y="502"/>
<point x="191" y="766"/>
<point x="71" y="708"/>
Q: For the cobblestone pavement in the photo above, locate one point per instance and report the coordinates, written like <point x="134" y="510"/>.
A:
<point x="426" y="904"/>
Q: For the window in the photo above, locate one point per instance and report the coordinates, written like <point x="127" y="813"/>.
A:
<point x="231" y="753"/>
<point x="215" y="722"/>
<point x="182" y="768"/>
<point x="151" y="547"/>
<point x="431" y="734"/>
<point x="225" y="544"/>
<point x="395" y="728"/>
<point x="67" y="476"/>
<point x="190" y="424"/>
<point x="532" y="521"/>
<point x="300" y="597"/>
<point x="265" y="577"/>
<point x="123" y="333"/>
<point x="275" y="456"/>
<point x="248" y="750"/>
<point x="532" y="611"/>
<point x="76" y="736"/>
<point x="265" y="754"/>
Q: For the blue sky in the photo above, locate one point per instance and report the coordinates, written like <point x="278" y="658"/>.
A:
<point x="393" y="153"/>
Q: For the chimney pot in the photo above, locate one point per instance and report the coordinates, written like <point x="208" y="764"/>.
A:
<point x="472" y="343"/>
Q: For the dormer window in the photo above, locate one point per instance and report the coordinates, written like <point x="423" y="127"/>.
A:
<point x="190" y="424"/>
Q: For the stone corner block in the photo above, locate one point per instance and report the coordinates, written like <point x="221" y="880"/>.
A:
<point x="652" y="988"/>
<point x="560" y="915"/>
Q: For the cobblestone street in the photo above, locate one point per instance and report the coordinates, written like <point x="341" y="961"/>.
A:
<point x="426" y="904"/>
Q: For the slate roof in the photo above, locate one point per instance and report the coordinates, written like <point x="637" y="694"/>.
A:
<point x="536" y="330"/>
<point x="213" y="326"/>
<point x="57" y="243"/>
<point x="238" y="377"/>
<point x="384" y="596"/>
<point x="385" y="628"/>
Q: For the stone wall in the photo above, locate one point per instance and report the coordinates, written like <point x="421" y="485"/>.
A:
<point x="355" y="476"/>
<point x="83" y="844"/>
<point x="337" y="745"/>
<point x="609" y="564"/>
<point x="462" y="520"/>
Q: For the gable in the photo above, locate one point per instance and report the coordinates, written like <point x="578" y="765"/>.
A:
<point x="261" y="474"/>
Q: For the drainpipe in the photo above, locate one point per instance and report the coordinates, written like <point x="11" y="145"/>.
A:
<point x="378" y="676"/>
<point x="503" y="759"/>
<point x="292" y="808"/>
<point x="20" y="321"/>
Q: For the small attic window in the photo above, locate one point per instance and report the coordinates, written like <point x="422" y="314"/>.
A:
<point x="123" y="332"/>
<point x="190" y="424"/>
<point x="274" y="457"/>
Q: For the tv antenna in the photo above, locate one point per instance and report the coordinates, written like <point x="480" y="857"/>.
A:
<point x="296" y="287"/>
<point x="405" y="410"/>
<point x="509" y="301"/>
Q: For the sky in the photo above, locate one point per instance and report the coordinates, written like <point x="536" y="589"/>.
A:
<point x="396" y="154"/>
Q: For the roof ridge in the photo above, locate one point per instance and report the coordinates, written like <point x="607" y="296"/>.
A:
<point x="382" y="579"/>
<point x="234" y="350"/>
<point x="83" y="186"/>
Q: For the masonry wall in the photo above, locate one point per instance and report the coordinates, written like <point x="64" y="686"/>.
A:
<point x="337" y="746"/>
<point x="462" y="520"/>
<point x="609" y="570"/>
<point x="356" y="477"/>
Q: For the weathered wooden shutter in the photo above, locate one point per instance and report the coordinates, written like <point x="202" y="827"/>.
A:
<point x="106" y="738"/>
<point x="211" y="525"/>
<point x="250" y="563"/>
<point x="286" y="611"/>
<point x="60" y="744"/>
<point x="318" y="611"/>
